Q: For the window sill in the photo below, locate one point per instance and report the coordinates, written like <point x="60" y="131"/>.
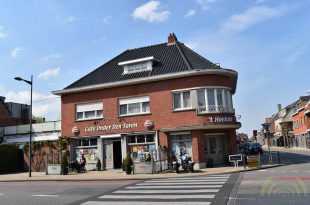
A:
<point x="182" y="110"/>
<point x="89" y="119"/>
<point x="129" y="115"/>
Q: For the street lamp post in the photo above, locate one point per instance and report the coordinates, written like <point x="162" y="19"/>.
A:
<point x="30" y="120"/>
<point x="266" y="128"/>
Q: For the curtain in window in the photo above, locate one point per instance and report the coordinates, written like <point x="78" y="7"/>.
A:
<point x="186" y="99"/>
<point x="201" y="98"/>
<point x="219" y="97"/>
<point x="146" y="107"/>
<point x="90" y="114"/>
<point x="123" y="109"/>
<point x="210" y="94"/>
<point x="177" y="100"/>
<point x="134" y="108"/>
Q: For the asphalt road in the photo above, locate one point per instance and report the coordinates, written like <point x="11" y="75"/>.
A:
<point x="54" y="192"/>
<point x="288" y="184"/>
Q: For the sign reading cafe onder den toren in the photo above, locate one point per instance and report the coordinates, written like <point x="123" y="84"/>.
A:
<point x="111" y="127"/>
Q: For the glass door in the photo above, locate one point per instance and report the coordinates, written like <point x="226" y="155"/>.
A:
<point x="214" y="148"/>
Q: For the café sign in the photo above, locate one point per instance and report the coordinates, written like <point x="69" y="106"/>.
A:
<point x="111" y="127"/>
<point x="222" y="119"/>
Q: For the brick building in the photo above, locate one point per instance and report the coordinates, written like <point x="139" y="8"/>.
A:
<point x="161" y="95"/>
<point x="13" y="113"/>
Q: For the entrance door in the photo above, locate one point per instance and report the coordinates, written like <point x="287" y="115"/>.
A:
<point x="214" y="148"/>
<point x="117" y="155"/>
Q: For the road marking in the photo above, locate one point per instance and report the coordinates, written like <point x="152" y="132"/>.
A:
<point x="174" y="187"/>
<point x="295" y="171"/>
<point x="47" y="195"/>
<point x="144" y="203"/>
<point x="1" y="194"/>
<point x="262" y="170"/>
<point x="181" y="183"/>
<point x="191" y="178"/>
<point x="205" y="196"/>
<point x="164" y="191"/>
<point x="306" y="171"/>
<point x="232" y="198"/>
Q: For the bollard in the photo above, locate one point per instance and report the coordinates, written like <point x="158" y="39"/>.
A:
<point x="279" y="157"/>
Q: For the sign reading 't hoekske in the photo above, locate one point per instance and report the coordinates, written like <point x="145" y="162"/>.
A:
<point x="221" y="119"/>
<point x="111" y="127"/>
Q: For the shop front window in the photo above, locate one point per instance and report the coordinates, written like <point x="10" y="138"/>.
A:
<point x="88" y="147"/>
<point x="181" y="142"/>
<point x="140" y="146"/>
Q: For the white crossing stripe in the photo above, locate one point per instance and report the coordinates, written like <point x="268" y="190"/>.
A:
<point x="205" y="196"/>
<point x="191" y="178"/>
<point x="1" y="194"/>
<point x="199" y="180"/>
<point x="165" y="191"/>
<point x="174" y="187"/>
<point x="177" y="183"/>
<point x="47" y="195"/>
<point x="144" y="203"/>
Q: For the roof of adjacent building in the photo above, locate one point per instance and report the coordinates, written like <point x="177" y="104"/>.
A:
<point x="169" y="58"/>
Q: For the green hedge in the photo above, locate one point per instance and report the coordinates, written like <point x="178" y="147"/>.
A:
<point x="9" y="158"/>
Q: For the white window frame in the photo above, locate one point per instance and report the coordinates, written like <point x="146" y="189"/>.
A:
<point x="182" y="100"/>
<point x="88" y="107"/>
<point x="127" y="101"/>
<point x="224" y="96"/>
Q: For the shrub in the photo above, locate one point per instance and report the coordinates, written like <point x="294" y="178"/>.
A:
<point x="9" y="161"/>
<point x="128" y="163"/>
<point x="210" y="162"/>
<point x="98" y="165"/>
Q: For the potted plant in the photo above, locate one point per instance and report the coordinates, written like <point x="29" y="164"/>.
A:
<point x="64" y="165"/>
<point x="123" y="164"/>
<point x="98" y="165"/>
<point x="209" y="162"/>
<point x="128" y="164"/>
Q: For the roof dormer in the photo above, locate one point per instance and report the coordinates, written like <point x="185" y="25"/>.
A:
<point x="137" y="65"/>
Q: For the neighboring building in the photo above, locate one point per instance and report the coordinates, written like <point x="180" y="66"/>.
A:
<point x="161" y="95"/>
<point x="19" y="134"/>
<point x="301" y="122"/>
<point x="13" y="113"/>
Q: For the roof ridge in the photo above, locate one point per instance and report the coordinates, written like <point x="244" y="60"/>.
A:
<point x="146" y="46"/>
<point x="200" y="56"/>
<point x="189" y="66"/>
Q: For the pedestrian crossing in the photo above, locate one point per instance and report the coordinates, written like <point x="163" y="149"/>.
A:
<point x="173" y="191"/>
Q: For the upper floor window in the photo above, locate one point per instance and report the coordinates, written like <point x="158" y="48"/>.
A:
<point x="213" y="100"/>
<point x="134" y="106"/>
<point x="87" y="111"/>
<point x="182" y="100"/>
<point x="137" y="65"/>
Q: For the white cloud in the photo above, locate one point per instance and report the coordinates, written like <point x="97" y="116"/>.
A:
<point x="106" y="19"/>
<point x="53" y="72"/>
<point x="191" y="12"/>
<point x="252" y="16"/>
<point x="2" y="33"/>
<point x="16" y="52"/>
<point x="51" y="57"/>
<point x="205" y="4"/>
<point x="150" y="12"/>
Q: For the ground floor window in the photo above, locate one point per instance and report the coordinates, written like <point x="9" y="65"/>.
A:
<point x="181" y="142"/>
<point x="140" y="145"/>
<point x="88" y="147"/>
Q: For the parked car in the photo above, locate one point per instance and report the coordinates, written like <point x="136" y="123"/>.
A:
<point x="254" y="148"/>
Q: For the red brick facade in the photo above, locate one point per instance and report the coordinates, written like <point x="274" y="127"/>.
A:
<point x="162" y="114"/>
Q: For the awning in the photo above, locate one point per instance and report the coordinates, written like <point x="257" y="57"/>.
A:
<point x="110" y="136"/>
<point x="202" y="127"/>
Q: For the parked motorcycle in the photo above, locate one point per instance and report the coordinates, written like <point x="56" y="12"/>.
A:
<point x="74" y="165"/>
<point x="187" y="163"/>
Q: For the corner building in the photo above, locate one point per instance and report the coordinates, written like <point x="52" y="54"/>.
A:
<point x="161" y="95"/>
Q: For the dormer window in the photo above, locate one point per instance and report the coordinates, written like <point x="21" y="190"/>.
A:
<point x="137" y="65"/>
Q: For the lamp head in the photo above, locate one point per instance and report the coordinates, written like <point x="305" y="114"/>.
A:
<point x="18" y="78"/>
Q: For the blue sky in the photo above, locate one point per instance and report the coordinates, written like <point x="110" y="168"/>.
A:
<point x="266" y="41"/>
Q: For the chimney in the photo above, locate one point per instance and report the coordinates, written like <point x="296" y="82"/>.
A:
<point x="172" y="39"/>
<point x="279" y="107"/>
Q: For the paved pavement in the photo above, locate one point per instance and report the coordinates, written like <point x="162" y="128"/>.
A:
<point x="200" y="190"/>
<point x="114" y="175"/>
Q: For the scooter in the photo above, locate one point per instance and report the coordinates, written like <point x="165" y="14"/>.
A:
<point x="187" y="163"/>
<point x="74" y="165"/>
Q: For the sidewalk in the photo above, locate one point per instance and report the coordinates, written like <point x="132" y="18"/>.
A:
<point x="116" y="175"/>
<point x="291" y="149"/>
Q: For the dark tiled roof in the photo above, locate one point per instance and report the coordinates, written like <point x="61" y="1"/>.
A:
<point x="168" y="59"/>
